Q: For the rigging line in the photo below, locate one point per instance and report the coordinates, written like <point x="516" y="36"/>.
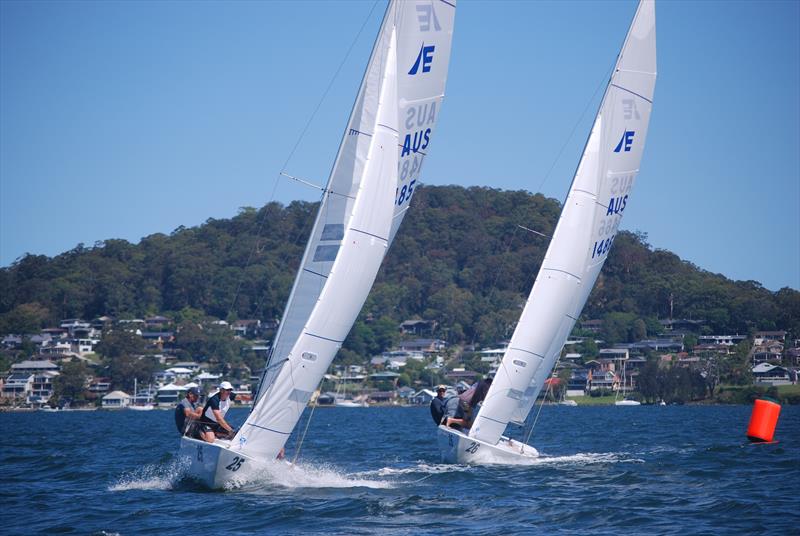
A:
<point x="330" y="84"/>
<point x="300" y="139"/>
<point x="533" y="425"/>
<point x="302" y="438"/>
<point x="532" y="231"/>
<point x="284" y="259"/>
<point x="317" y="186"/>
<point x="603" y="81"/>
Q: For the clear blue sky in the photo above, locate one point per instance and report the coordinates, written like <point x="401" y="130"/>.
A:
<point x="123" y="119"/>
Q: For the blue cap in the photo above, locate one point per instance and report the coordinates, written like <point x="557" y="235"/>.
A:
<point x="193" y="391"/>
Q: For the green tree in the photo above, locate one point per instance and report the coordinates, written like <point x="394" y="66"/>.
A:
<point x="120" y="342"/>
<point x="72" y="382"/>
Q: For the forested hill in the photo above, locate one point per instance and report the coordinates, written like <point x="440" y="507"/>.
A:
<point x="459" y="258"/>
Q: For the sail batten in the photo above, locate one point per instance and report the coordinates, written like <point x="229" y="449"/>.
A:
<point x="589" y="221"/>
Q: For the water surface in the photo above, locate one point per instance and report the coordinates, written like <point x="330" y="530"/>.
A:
<point x="604" y="470"/>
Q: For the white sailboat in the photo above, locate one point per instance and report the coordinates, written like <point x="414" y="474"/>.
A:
<point x="367" y="195"/>
<point x="136" y="406"/>
<point x="589" y="221"/>
<point x="624" y="389"/>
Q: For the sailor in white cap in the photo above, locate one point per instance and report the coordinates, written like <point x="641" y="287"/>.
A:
<point x="212" y="423"/>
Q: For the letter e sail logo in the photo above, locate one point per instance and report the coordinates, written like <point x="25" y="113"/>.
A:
<point x="424" y="59"/>
<point x="625" y="141"/>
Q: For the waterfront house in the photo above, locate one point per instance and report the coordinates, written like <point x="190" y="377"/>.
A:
<point x="98" y="386"/>
<point x="18" y="385"/>
<point x="34" y="367"/>
<point x="169" y="395"/>
<point x="767" y="374"/>
<point x="578" y="381"/>
<point x="116" y="400"/>
<point x="422" y="397"/>
<point x="599" y="379"/>
<point x="387" y="377"/>
<point x="42" y="387"/>
<point x="382" y="397"/>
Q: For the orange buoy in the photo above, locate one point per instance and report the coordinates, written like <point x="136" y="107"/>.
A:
<point x="763" y="421"/>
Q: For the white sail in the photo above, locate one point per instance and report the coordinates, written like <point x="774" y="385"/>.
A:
<point x="589" y="221"/>
<point x="370" y="186"/>
<point x="424" y="30"/>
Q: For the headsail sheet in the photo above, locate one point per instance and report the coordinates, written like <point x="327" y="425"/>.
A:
<point x="369" y="189"/>
<point x="589" y="221"/>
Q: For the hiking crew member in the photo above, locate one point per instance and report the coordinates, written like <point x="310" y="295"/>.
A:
<point x="187" y="412"/>
<point x="437" y="405"/>
<point x="212" y="422"/>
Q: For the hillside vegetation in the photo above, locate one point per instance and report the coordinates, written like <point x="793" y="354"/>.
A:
<point x="459" y="258"/>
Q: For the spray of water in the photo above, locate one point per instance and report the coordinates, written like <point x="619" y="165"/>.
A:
<point x="153" y="476"/>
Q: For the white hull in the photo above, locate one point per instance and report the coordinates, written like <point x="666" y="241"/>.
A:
<point x="571" y="403"/>
<point x="627" y="403"/>
<point x="216" y="465"/>
<point x="351" y="404"/>
<point x="455" y="447"/>
<point x="148" y="407"/>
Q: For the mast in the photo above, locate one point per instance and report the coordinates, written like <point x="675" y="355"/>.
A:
<point x="599" y="193"/>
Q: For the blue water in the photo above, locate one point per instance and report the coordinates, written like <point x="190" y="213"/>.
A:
<point x="604" y="470"/>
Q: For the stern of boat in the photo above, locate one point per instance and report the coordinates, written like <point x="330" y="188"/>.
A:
<point x="456" y="447"/>
<point x="215" y="465"/>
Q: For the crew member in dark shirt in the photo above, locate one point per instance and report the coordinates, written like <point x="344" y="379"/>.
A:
<point x="437" y="405"/>
<point x="187" y="412"/>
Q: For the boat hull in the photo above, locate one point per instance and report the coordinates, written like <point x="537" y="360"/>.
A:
<point x="455" y="447"/>
<point x="216" y="465"/>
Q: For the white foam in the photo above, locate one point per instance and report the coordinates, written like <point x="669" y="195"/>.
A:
<point x="588" y="458"/>
<point x="420" y="468"/>
<point x="152" y="477"/>
<point x="306" y="476"/>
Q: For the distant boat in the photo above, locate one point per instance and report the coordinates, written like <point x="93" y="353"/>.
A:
<point x="147" y="406"/>
<point x="567" y="402"/>
<point x="588" y="224"/>
<point x="345" y="403"/>
<point x="625" y="401"/>
<point x="363" y="204"/>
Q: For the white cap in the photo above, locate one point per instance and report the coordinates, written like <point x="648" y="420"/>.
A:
<point x="226" y="385"/>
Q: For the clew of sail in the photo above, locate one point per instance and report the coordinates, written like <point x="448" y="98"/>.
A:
<point x="368" y="192"/>
<point x="592" y="212"/>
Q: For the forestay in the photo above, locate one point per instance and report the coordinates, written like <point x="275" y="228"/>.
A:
<point x="371" y="184"/>
<point x="595" y="204"/>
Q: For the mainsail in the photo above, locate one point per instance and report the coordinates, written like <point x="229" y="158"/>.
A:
<point x="367" y="195"/>
<point x="595" y="204"/>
